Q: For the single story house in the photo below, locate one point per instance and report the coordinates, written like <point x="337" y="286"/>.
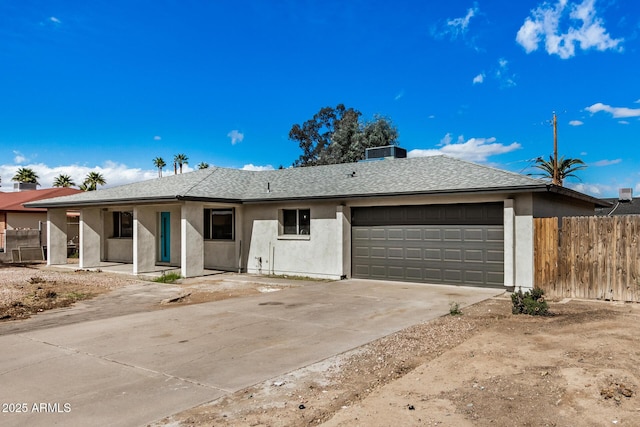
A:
<point x="430" y="219"/>
<point x="15" y="216"/>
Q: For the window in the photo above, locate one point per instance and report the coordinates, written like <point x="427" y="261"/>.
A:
<point x="122" y="224"/>
<point x="296" y="221"/>
<point x="218" y="224"/>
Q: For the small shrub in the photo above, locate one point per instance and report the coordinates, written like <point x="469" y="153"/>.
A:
<point x="168" y="278"/>
<point x="454" y="309"/>
<point x="532" y="303"/>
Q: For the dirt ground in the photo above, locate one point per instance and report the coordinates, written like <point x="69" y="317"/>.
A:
<point x="578" y="366"/>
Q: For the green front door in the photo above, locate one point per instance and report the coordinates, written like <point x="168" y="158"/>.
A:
<point x="165" y="236"/>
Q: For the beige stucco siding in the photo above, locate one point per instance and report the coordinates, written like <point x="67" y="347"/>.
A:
<point x="318" y="254"/>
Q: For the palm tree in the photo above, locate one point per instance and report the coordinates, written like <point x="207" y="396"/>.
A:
<point x="179" y="160"/>
<point x="63" y="181"/>
<point x="26" y="175"/>
<point x="566" y="167"/>
<point x="159" y="163"/>
<point x="203" y="165"/>
<point x="92" y="181"/>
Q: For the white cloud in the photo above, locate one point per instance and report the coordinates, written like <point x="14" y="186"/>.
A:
<point x="252" y="167"/>
<point x="585" y="29"/>
<point x="157" y="138"/>
<point x="596" y="190"/>
<point x="474" y="149"/>
<point x="458" y="26"/>
<point x="431" y="116"/>
<point x="236" y="136"/>
<point x="479" y="78"/>
<point x="114" y="173"/>
<point x="605" y="162"/>
<point x="503" y="75"/>
<point x="576" y="123"/>
<point x="616" y="112"/>
<point x="623" y="122"/>
<point x="399" y="95"/>
<point x="55" y="20"/>
<point x="19" y="158"/>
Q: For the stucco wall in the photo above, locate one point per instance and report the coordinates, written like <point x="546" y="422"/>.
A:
<point x="32" y="220"/>
<point x="119" y="250"/>
<point x="547" y="205"/>
<point x="220" y="255"/>
<point x="315" y="255"/>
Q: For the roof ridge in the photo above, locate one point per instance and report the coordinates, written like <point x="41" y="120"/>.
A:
<point x="206" y="176"/>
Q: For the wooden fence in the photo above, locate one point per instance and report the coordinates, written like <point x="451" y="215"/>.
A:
<point x="588" y="257"/>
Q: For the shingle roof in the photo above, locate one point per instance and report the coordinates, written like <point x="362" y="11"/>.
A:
<point x="422" y="175"/>
<point x="622" y="208"/>
<point x="12" y="202"/>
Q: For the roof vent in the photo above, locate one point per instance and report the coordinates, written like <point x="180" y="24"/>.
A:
<point x="386" y="152"/>
<point x="625" y="195"/>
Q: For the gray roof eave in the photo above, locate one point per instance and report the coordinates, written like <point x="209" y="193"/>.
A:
<point x="462" y="191"/>
<point x="101" y="202"/>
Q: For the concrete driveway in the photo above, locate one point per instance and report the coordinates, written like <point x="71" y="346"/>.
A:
<point x="134" y="369"/>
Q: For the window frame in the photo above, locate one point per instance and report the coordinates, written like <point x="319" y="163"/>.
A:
<point x="302" y="228"/>
<point x="120" y="232"/>
<point x="209" y="227"/>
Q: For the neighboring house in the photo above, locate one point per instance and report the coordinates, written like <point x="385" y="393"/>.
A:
<point x="625" y="204"/>
<point x="14" y="216"/>
<point x="431" y="219"/>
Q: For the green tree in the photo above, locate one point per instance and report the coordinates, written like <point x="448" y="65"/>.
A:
<point x="92" y="181"/>
<point x="178" y="161"/>
<point x="63" y="180"/>
<point x="203" y="165"/>
<point x="159" y="163"/>
<point x="336" y="135"/>
<point x="566" y="168"/>
<point x="26" y="175"/>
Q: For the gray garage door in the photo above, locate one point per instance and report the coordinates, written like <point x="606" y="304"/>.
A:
<point x="448" y="244"/>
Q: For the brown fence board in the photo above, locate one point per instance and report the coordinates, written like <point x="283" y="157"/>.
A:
<point x="589" y="257"/>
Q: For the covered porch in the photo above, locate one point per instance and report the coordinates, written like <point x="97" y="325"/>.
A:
<point x="133" y="239"/>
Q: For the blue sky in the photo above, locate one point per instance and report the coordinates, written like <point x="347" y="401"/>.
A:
<point x="109" y="85"/>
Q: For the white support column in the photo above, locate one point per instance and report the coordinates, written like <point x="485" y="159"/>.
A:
<point x="344" y="240"/>
<point x="509" y="243"/>
<point x="191" y="239"/>
<point x="56" y="236"/>
<point x="144" y="240"/>
<point x="90" y="237"/>
<point x="524" y="265"/>
<point x="239" y="225"/>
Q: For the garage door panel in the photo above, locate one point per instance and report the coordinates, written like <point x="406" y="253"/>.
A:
<point x="395" y="253"/>
<point x="414" y="254"/>
<point x="432" y="234"/>
<point x="378" y="252"/>
<point x="414" y="274"/>
<point x="453" y="255"/>
<point x="433" y="254"/>
<point x="453" y="235"/>
<point x="395" y="234"/>
<point x="377" y="234"/>
<point x="413" y="234"/>
<point x="474" y="255"/>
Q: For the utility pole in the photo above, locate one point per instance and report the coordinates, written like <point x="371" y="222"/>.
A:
<point x="556" y="180"/>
